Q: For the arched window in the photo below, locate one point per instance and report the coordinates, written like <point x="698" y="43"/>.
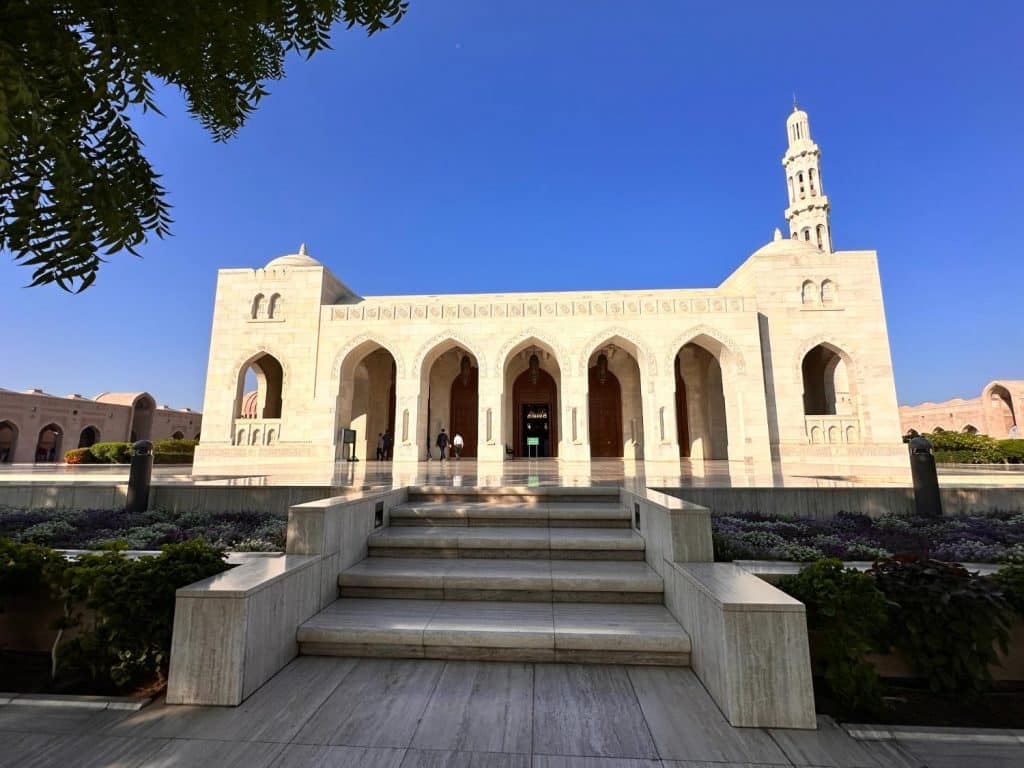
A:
<point x="807" y="234"/>
<point x="260" y="388"/>
<point x="259" y="306"/>
<point x="8" y="441"/>
<point x="50" y="443"/>
<point x="792" y="197"/>
<point x="828" y="292"/>
<point x="89" y="437"/>
<point x="808" y="292"/>
<point x="179" y="435"/>
<point x="970" y="429"/>
<point x="275" y="306"/>
<point x="826" y="382"/>
<point x="821" y="237"/>
<point x="810" y="179"/>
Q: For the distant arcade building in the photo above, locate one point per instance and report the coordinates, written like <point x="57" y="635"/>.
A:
<point x="997" y="412"/>
<point x="787" y="360"/>
<point x="37" y="427"/>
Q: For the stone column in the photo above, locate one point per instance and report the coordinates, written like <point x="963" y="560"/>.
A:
<point x="661" y="437"/>
<point x="693" y="376"/>
<point x="408" y="442"/>
<point x="491" y="424"/>
<point x="574" y="412"/>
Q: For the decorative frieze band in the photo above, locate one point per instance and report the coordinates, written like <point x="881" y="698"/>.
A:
<point x="539" y="309"/>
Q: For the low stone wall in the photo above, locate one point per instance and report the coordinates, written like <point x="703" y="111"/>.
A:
<point x="826" y="503"/>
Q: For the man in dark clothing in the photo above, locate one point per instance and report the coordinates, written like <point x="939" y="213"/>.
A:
<point x="389" y="442"/>
<point x="442" y="442"/>
<point x="381" y="450"/>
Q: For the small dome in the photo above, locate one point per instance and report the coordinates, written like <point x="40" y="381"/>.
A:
<point x="796" y="114"/>
<point x="787" y="246"/>
<point x="300" y="259"/>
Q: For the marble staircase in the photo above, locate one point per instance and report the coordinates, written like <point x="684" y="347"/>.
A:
<point x="508" y="574"/>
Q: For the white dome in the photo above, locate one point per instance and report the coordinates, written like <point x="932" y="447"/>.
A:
<point x="787" y="245"/>
<point x="300" y="259"/>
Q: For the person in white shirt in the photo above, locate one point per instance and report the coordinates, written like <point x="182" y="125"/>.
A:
<point x="457" y="444"/>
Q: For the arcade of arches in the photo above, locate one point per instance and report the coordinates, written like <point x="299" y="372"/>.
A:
<point x="997" y="412"/>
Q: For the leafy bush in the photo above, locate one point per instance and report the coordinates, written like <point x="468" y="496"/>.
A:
<point x="111" y="453"/>
<point x="125" y="638"/>
<point x="49" y="533"/>
<point x="170" y="445"/>
<point x="945" y="619"/>
<point x="1010" y="581"/>
<point x="965" y="448"/>
<point x="78" y="456"/>
<point x="173" y="458"/>
<point x="1012" y="450"/>
<point x="848" y="612"/>
<point x="22" y="567"/>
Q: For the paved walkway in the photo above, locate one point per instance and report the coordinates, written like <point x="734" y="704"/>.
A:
<point x="367" y="713"/>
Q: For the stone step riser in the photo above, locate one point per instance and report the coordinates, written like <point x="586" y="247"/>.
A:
<point x="469" y="653"/>
<point x="505" y="522"/>
<point x="522" y="499"/>
<point x="498" y="554"/>
<point x="509" y="595"/>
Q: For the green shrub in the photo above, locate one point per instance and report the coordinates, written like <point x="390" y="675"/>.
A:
<point x="48" y="532"/>
<point x="170" y="445"/>
<point x="946" y="620"/>
<point x="22" y="567"/>
<point x="849" y="613"/>
<point x="173" y="458"/>
<point x="78" y="456"/>
<point x="1012" y="450"/>
<point x="111" y="453"/>
<point x="125" y="640"/>
<point x="1010" y="581"/>
<point x="965" y="448"/>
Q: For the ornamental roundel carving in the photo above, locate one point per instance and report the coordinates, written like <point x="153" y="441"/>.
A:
<point x="515" y="310"/>
<point x="500" y="310"/>
<point x="582" y="308"/>
<point x="532" y="309"/>
<point x="598" y="308"/>
<point x="434" y="312"/>
<point x="483" y="310"/>
<point x="419" y="313"/>
<point x="466" y="311"/>
<point x="387" y="313"/>
<point x="565" y="309"/>
<point x="683" y="305"/>
<point x="403" y="313"/>
<point x="700" y="305"/>
<point x="548" y="310"/>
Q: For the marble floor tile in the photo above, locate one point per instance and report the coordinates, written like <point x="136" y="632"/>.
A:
<point x="311" y="756"/>
<point x="686" y="724"/>
<point x="944" y="754"/>
<point x="479" y="707"/>
<point x="491" y="625"/>
<point x="95" y="751"/>
<point x="55" y="720"/>
<point x="379" y="704"/>
<point x="829" y="746"/>
<point x="176" y="753"/>
<point x="588" y="711"/>
<point x="17" y="748"/>
<point x="418" y="758"/>
<point x="563" y="761"/>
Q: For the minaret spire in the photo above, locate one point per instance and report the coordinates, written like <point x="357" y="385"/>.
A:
<point x="808" y="211"/>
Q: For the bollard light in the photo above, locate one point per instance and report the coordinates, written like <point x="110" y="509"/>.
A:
<point x="139" y="476"/>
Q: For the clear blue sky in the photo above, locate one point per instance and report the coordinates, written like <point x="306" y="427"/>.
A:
<point x="486" y="146"/>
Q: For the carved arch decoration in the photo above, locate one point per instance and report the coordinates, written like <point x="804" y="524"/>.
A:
<point x="458" y="340"/>
<point x="730" y="346"/>
<point x="246" y="359"/>
<point x="847" y="353"/>
<point x="356" y="341"/>
<point x="562" y="356"/>
<point x="650" y="358"/>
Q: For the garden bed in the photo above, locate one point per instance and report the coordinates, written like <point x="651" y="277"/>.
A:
<point x="993" y="538"/>
<point x="99" y="528"/>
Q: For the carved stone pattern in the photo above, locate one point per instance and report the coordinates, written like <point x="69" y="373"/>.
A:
<point x="459" y="340"/>
<point x="705" y="330"/>
<point x="607" y="335"/>
<point x="354" y="342"/>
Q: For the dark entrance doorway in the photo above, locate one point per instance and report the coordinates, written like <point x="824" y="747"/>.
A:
<point x="605" y="412"/>
<point x="465" y="397"/>
<point x="682" y="425"/>
<point x="534" y="394"/>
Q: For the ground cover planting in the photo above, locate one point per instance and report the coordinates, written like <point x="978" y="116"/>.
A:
<point x="991" y="538"/>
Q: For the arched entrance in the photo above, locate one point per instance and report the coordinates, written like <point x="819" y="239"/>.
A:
<point x="367" y="398"/>
<point x="48" y="447"/>
<point x="8" y="441"/>
<point x="702" y="429"/>
<point x="534" y="412"/>
<point x="89" y="437"/>
<point x="605" y="411"/>
<point x="1002" y="418"/>
<point x="260" y="389"/>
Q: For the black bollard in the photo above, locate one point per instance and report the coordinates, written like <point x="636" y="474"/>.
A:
<point x="927" y="501"/>
<point x="139" y="476"/>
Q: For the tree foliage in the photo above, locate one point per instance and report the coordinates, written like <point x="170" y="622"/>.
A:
<point x="74" y="183"/>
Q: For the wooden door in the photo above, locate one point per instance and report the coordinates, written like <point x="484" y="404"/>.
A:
<point x="605" y="414"/>
<point x="464" y="410"/>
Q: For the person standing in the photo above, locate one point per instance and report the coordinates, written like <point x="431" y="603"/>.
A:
<point x="389" y="442"/>
<point x="457" y="445"/>
<point x="442" y="442"/>
<point x="380" y="446"/>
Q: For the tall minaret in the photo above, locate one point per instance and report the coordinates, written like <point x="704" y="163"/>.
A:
<point x="807" y="213"/>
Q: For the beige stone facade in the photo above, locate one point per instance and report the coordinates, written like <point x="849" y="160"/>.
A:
<point x="39" y="427"/>
<point x="997" y="412"/>
<point x="787" y="360"/>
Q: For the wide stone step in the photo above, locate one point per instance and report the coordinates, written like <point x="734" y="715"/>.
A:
<point x="543" y="513"/>
<point x="514" y="495"/>
<point x="506" y="542"/>
<point x="524" y="631"/>
<point x="503" y="579"/>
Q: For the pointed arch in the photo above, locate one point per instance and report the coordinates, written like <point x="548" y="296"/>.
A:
<point x="715" y="341"/>
<point x="641" y="350"/>
<point x="372" y="341"/>
<point x="561" y="355"/>
<point x="8" y="441"/>
<point x="441" y="343"/>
